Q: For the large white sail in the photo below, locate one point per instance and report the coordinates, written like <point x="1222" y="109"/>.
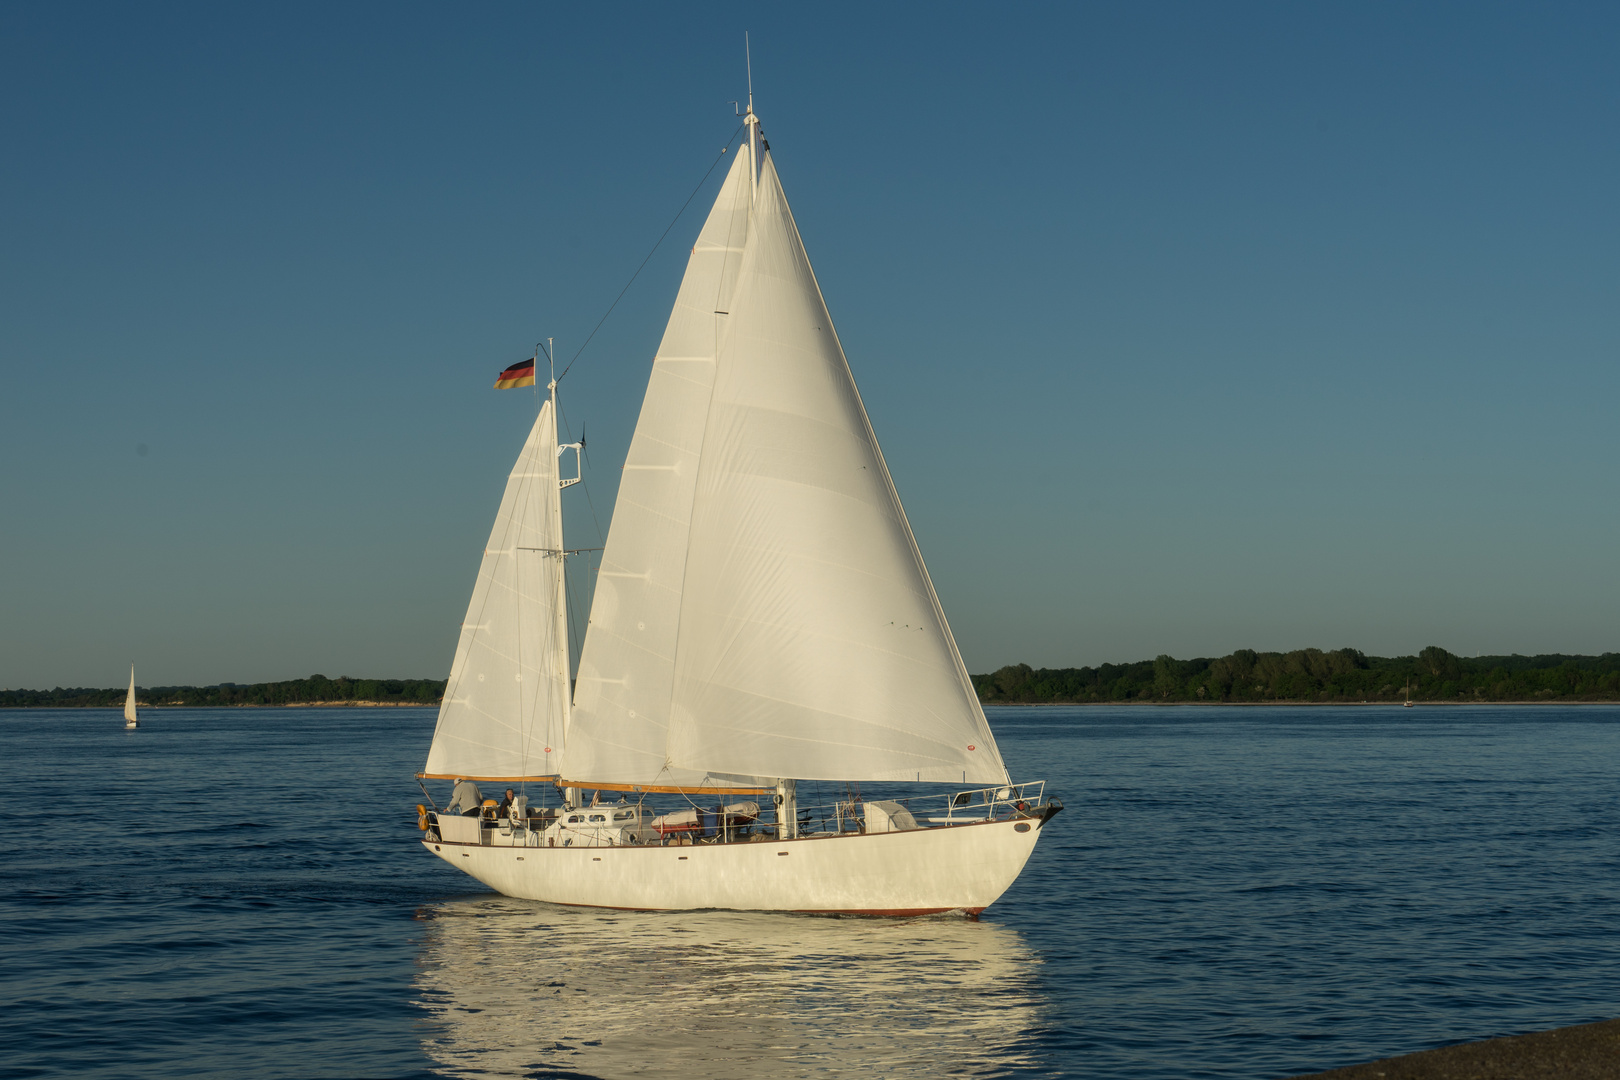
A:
<point x="505" y="704"/>
<point x="627" y="666"/>
<point x="811" y="642"/>
<point x="129" y="699"/>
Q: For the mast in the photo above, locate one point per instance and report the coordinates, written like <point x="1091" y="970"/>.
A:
<point x="787" y="804"/>
<point x="559" y="655"/>
<point x="753" y="124"/>
<point x="506" y="700"/>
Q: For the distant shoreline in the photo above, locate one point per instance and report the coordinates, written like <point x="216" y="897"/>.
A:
<point x="160" y="705"/>
<point x="317" y="691"/>
<point x="1313" y="677"/>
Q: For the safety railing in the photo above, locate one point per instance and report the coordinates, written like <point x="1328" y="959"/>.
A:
<point x="966" y="807"/>
<point x="661" y="822"/>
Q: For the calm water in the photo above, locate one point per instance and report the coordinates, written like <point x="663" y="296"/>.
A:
<point x="1231" y="893"/>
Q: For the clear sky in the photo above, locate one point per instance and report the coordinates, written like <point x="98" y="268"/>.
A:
<point x="1184" y="327"/>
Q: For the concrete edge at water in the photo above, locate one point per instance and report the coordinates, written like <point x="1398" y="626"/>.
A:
<point x="1582" y="1052"/>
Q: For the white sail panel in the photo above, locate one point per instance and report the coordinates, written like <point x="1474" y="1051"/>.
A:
<point x="812" y="644"/>
<point x="506" y="701"/>
<point x="129" y="699"/>
<point x="626" y="670"/>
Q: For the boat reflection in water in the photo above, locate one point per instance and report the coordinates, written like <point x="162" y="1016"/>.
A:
<point x="517" y="988"/>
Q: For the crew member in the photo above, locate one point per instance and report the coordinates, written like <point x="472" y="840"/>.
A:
<point x="466" y="799"/>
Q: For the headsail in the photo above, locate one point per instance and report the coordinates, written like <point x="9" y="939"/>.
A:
<point x="627" y="667"/>
<point x="812" y="644"/>
<point x="505" y="705"/>
<point x="129" y="699"/>
<point x="763" y="609"/>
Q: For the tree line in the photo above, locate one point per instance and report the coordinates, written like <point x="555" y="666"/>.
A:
<point x="292" y="692"/>
<point x="1304" y="675"/>
<point x="1313" y="675"/>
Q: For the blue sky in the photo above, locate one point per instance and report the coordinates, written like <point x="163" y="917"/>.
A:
<point x="1184" y="327"/>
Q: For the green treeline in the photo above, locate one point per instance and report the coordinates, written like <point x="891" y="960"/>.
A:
<point x="294" y="692"/>
<point x="1343" y="675"/>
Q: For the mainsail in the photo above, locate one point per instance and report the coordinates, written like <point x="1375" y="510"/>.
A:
<point x="763" y="609"/>
<point x="129" y="699"/>
<point x="506" y="703"/>
<point x="627" y="666"/>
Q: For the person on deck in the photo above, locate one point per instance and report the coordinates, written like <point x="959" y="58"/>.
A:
<point x="505" y="809"/>
<point x="466" y="799"/>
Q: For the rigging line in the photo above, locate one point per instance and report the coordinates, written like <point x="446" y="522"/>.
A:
<point x="654" y="250"/>
<point x="573" y="624"/>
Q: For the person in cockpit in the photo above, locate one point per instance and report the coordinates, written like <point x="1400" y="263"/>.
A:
<point x="466" y="799"/>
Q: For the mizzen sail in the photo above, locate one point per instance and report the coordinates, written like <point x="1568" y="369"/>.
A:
<point x="506" y="702"/>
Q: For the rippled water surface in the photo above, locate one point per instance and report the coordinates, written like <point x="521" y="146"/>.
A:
<point x="1230" y="893"/>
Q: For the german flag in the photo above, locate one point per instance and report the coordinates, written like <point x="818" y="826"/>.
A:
<point x="519" y="374"/>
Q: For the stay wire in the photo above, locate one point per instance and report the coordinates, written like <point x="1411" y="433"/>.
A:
<point x="654" y="250"/>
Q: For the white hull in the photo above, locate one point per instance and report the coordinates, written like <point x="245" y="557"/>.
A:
<point x="918" y="872"/>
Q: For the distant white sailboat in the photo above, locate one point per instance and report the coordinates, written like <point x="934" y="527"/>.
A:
<point x="762" y="619"/>
<point x="130" y="720"/>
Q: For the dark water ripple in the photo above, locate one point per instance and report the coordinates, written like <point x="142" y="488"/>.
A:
<point x="1231" y="893"/>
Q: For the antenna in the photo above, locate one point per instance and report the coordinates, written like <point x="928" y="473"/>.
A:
<point x="748" y="55"/>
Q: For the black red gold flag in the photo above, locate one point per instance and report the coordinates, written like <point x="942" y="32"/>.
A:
<point x="519" y="374"/>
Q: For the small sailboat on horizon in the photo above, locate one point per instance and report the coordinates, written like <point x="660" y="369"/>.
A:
<point x="764" y="639"/>
<point x="130" y="719"/>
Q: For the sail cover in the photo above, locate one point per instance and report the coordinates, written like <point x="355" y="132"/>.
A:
<point x="763" y="609"/>
<point x="627" y="666"/>
<point x="506" y="701"/>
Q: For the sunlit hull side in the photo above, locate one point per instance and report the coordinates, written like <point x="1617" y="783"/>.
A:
<point x="918" y="872"/>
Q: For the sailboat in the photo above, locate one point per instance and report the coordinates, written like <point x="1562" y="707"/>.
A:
<point x="130" y="720"/>
<point x="763" y="632"/>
